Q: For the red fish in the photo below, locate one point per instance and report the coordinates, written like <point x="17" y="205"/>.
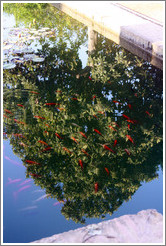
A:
<point x="74" y="98"/>
<point x="85" y="152"/>
<point x="81" y="164"/>
<point x="20" y="105"/>
<point x="95" y="116"/>
<point x="115" y="142"/>
<point x="34" y="92"/>
<point x="83" y="134"/>
<point x="51" y="104"/>
<point x="93" y="97"/>
<point x="58" y="91"/>
<point x="67" y="150"/>
<point x="127" y="151"/>
<point x="8" y="111"/>
<point x="90" y="78"/>
<point x="19" y="122"/>
<point x="35" y="175"/>
<point x="107" y="148"/>
<point x="148" y="113"/>
<point x="116" y="102"/>
<point x="46" y="149"/>
<point x="32" y="162"/>
<point x="129" y="105"/>
<point x="97" y="132"/>
<point x="6" y="116"/>
<point x="129" y="138"/>
<point x="39" y="117"/>
<point x="60" y="109"/>
<point x="47" y="125"/>
<point x="107" y="170"/>
<point x="46" y="132"/>
<point x="128" y="126"/>
<point x="58" y="136"/>
<point x="96" y="187"/>
<point x="74" y="140"/>
<point x="125" y="116"/>
<point x="130" y="121"/>
<point x="112" y="128"/>
<point x="40" y="141"/>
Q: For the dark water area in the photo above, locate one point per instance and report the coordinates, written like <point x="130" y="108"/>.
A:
<point x="82" y="135"/>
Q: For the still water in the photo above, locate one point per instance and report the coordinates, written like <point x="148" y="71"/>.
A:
<point x="80" y="146"/>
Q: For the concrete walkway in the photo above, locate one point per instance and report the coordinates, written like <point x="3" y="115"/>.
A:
<point x="137" y="26"/>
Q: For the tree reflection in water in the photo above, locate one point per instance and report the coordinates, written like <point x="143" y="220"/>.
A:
<point x="88" y="140"/>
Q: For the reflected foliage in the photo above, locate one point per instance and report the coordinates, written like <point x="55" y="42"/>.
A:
<point x="91" y="140"/>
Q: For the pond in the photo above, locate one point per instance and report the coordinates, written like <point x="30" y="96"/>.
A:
<point x="82" y="134"/>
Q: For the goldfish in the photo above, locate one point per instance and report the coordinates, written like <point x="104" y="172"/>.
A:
<point x="32" y="162"/>
<point x="93" y="97"/>
<point x="112" y="128"/>
<point x="34" y="92"/>
<point x="115" y="142"/>
<point x="95" y="116"/>
<point x="47" y="125"/>
<point x="74" y="98"/>
<point x="116" y="102"/>
<point x="40" y="141"/>
<point x="46" y="149"/>
<point x="51" y="104"/>
<point x="83" y="134"/>
<point x="60" y="109"/>
<point x="19" y="122"/>
<point x="96" y="187"/>
<point x="39" y="117"/>
<point x="97" y="132"/>
<point x="58" y="91"/>
<point x="107" y="148"/>
<point x="125" y="116"/>
<point x="20" y="105"/>
<point x="129" y="138"/>
<point x="67" y="150"/>
<point x="8" y="111"/>
<point x="58" y="136"/>
<point x="74" y="140"/>
<point x="130" y="121"/>
<point x="129" y="105"/>
<point x="6" y="116"/>
<point x="35" y="175"/>
<point x="107" y="170"/>
<point x="128" y="126"/>
<point x="81" y="163"/>
<point x="127" y="151"/>
<point x="85" y="152"/>
<point x="147" y="113"/>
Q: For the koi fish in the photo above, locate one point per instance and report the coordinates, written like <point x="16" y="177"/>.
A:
<point x="13" y="162"/>
<point x="47" y="125"/>
<point x="32" y="162"/>
<point x="6" y="116"/>
<point x="127" y="151"/>
<point x="148" y="113"/>
<point x="107" y="170"/>
<point x="19" y="122"/>
<point x="115" y="142"/>
<point x="96" y="187"/>
<point x="95" y="116"/>
<point x="40" y="141"/>
<point x="20" y="105"/>
<point x="97" y="132"/>
<point x="125" y="116"/>
<point x="85" y="152"/>
<point x="58" y="91"/>
<point x="13" y="181"/>
<point x="128" y="126"/>
<point x="129" y="105"/>
<point x="83" y="134"/>
<point x="51" y="104"/>
<point x="116" y="102"/>
<point x="35" y="175"/>
<point x="74" y="140"/>
<point x="34" y="92"/>
<point x="112" y="128"/>
<point x="60" y="109"/>
<point x="42" y="197"/>
<point x="107" y="148"/>
<point x="58" y="136"/>
<point x="25" y="182"/>
<point x="129" y="138"/>
<point x="39" y="117"/>
<point x="46" y="149"/>
<point x="57" y="203"/>
<point x="64" y="148"/>
<point x="81" y="163"/>
<point x="8" y="111"/>
<point x="130" y="121"/>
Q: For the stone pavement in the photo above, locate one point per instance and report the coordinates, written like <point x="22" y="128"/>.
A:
<point x="143" y="227"/>
<point x="138" y="28"/>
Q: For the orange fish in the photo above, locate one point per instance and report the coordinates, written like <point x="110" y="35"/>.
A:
<point x="32" y="162"/>
<point x="128" y="126"/>
<point x="46" y="149"/>
<point x="20" y="105"/>
<point x="6" y="116"/>
<point x="112" y="128"/>
<point x="97" y="132"/>
<point x="60" y="109"/>
<point x="35" y="175"/>
<point x="129" y="138"/>
<point x="115" y="142"/>
<point x="127" y="151"/>
<point x="81" y="164"/>
<point x="93" y="97"/>
<point x="74" y="140"/>
<point x="130" y="121"/>
<point x="85" y="152"/>
<point x="148" y="113"/>
<point x="34" y="92"/>
<point x="125" y="116"/>
<point x="58" y="91"/>
<point x="46" y="132"/>
<point x="8" y="111"/>
<point x="39" y="117"/>
<point x="47" y="125"/>
<point x="95" y="116"/>
<point x="74" y="98"/>
<point x="107" y="148"/>
<point x="58" y="136"/>
<point x="51" y="104"/>
<point x="67" y="150"/>
<point x="83" y="134"/>
<point x="107" y="170"/>
<point x="116" y="102"/>
<point x="96" y="187"/>
<point x="40" y="141"/>
<point x="19" y="122"/>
